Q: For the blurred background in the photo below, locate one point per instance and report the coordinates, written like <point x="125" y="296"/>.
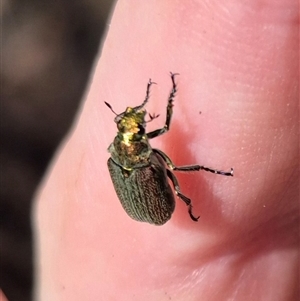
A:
<point x="48" y="49"/>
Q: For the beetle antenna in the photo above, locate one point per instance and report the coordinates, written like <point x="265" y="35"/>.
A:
<point x="110" y="107"/>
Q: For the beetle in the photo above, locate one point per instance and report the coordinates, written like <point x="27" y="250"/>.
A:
<point x="140" y="174"/>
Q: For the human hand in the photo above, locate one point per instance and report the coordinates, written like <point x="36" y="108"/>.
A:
<point x="238" y="66"/>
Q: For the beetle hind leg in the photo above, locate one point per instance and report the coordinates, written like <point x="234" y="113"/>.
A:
<point x="180" y="195"/>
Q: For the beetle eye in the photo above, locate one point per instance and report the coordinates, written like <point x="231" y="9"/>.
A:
<point x="141" y="129"/>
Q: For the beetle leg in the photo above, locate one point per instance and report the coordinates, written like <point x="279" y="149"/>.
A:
<point x="166" y="127"/>
<point x="150" y="83"/>
<point x="190" y="167"/>
<point x="180" y="195"/>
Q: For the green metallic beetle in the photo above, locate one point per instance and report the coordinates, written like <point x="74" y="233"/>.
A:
<point x="140" y="173"/>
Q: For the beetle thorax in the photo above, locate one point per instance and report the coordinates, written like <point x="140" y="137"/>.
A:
<point x="134" y="155"/>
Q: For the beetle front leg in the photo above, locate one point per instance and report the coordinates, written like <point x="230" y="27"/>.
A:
<point x="166" y="127"/>
<point x="150" y="83"/>
<point x="180" y="195"/>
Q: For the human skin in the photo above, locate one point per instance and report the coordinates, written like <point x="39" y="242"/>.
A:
<point x="2" y="296"/>
<point x="238" y="65"/>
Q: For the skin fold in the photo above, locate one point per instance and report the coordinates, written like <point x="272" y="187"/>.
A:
<point x="236" y="106"/>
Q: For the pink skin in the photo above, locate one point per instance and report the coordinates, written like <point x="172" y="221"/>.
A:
<point x="2" y="296"/>
<point x="238" y="65"/>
